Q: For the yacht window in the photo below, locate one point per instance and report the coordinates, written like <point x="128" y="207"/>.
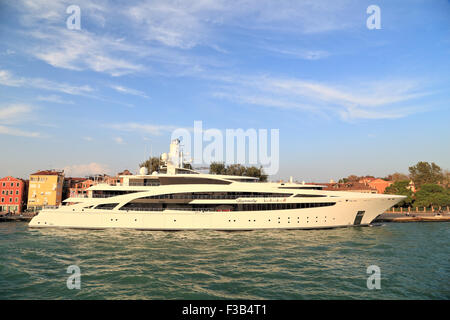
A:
<point x="106" y="206"/>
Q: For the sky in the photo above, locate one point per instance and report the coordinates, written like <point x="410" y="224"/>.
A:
<point x="346" y="99"/>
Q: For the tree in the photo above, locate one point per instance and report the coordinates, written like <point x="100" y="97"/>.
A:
<point x="256" y="172"/>
<point x="237" y="170"/>
<point x="447" y="179"/>
<point x="425" y="173"/>
<point x="152" y="164"/>
<point x="432" y="195"/>
<point x="401" y="188"/>
<point x="217" y="168"/>
<point x="353" y="178"/>
<point x="397" y="176"/>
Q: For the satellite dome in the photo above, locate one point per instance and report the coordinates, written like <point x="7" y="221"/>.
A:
<point x="164" y="156"/>
<point x="143" y="171"/>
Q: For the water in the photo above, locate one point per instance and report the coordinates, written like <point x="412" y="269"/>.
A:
<point x="316" y="264"/>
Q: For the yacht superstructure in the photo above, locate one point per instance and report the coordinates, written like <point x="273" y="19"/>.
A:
<point x="182" y="199"/>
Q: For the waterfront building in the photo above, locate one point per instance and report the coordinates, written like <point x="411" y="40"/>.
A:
<point x="70" y="183"/>
<point x="80" y="189"/>
<point x="12" y="195"/>
<point x="351" y="187"/>
<point x="379" y="184"/>
<point x="46" y="188"/>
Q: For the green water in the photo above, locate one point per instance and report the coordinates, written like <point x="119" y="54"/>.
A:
<point x="317" y="264"/>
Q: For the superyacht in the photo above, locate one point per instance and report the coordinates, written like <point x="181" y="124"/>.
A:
<point x="176" y="198"/>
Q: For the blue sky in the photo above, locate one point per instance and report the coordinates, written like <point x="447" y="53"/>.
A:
<point x="346" y="99"/>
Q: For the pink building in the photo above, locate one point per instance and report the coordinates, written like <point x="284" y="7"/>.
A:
<point x="12" y="195"/>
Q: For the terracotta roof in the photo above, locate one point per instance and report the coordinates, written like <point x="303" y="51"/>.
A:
<point x="47" y="173"/>
<point x="348" y="186"/>
<point x="12" y="179"/>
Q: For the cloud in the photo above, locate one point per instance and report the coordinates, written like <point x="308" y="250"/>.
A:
<point x="8" y="79"/>
<point x="54" y="99"/>
<point x="364" y="100"/>
<point x="82" y="170"/>
<point x="15" y="112"/>
<point x="142" y="128"/>
<point x="158" y="36"/>
<point x="300" y="53"/>
<point x="18" y="132"/>
<point x="130" y="91"/>
<point x="119" y="140"/>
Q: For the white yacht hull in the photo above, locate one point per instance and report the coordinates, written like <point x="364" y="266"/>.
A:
<point x="341" y="215"/>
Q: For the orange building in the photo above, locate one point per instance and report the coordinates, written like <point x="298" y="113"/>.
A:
<point x="350" y="186"/>
<point x="379" y="184"/>
<point x="80" y="189"/>
<point x="45" y="189"/>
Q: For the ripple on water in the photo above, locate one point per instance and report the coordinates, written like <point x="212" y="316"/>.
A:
<point x="276" y="264"/>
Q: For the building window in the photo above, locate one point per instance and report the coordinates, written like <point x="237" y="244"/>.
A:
<point x="3" y="199"/>
<point x="18" y="184"/>
<point x="4" y="184"/>
<point x="17" y="200"/>
<point x="12" y="184"/>
<point x="17" y="191"/>
<point x="10" y="199"/>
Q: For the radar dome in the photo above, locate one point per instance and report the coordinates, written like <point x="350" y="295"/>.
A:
<point x="164" y="156"/>
<point x="143" y="171"/>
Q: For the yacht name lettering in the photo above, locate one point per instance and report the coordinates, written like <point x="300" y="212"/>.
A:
<point x="246" y="200"/>
<point x="199" y="310"/>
